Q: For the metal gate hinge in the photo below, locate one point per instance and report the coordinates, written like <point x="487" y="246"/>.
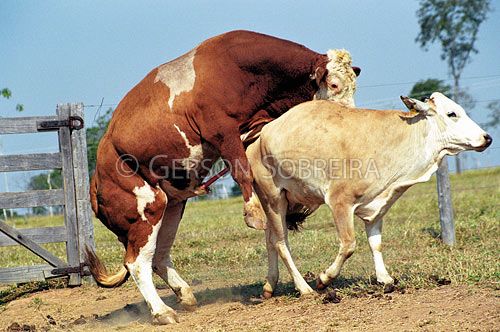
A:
<point x="74" y="123"/>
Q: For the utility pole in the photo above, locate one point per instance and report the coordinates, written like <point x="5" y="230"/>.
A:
<point x="456" y="97"/>
<point x="445" y="204"/>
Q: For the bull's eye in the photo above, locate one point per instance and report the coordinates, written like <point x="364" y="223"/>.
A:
<point x="334" y="86"/>
<point x="452" y="115"/>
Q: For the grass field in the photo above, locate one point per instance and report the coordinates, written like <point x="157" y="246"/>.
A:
<point x="214" y="245"/>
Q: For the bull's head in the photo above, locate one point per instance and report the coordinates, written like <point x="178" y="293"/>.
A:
<point x="455" y="129"/>
<point x="336" y="80"/>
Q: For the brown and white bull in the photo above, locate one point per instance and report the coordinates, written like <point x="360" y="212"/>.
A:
<point x="358" y="162"/>
<point x="171" y="127"/>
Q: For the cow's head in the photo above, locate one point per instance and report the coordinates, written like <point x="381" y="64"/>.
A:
<point x="455" y="129"/>
<point x="337" y="79"/>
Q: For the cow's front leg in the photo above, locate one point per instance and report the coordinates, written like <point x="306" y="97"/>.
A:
<point x="162" y="262"/>
<point x="374" y="233"/>
<point x="228" y="142"/>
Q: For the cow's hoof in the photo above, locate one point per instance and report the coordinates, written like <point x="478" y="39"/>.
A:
<point x="168" y="317"/>
<point x="388" y="288"/>
<point x="267" y="294"/>
<point x="320" y="286"/>
<point x="308" y="293"/>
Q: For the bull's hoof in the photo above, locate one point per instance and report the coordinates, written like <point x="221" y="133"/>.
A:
<point x="255" y="223"/>
<point x="186" y="299"/>
<point x="168" y="317"/>
<point x="189" y="304"/>
<point x="253" y="214"/>
<point x="320" y="286"/>
<point x="267" y="294"/>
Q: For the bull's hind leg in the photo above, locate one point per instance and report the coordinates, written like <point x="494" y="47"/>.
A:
<point x="162" y="262"/>
<point x="344" y="222"/>
<point x="374" y="233"/>
<point x="141" y="246"/>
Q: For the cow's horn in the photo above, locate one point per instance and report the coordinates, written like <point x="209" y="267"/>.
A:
<point x="415" y="105"/>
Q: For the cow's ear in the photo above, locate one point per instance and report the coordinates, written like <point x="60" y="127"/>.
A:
<point x="416" y="107"/>
<point x="318" y="75"/>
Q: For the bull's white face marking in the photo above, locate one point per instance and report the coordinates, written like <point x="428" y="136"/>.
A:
<point x="178" y="75"/>
<point x="458" y="131"/>
<point x="195" y="151"/>
<point x="340" y="84"/>
<point x="144" y="195"/>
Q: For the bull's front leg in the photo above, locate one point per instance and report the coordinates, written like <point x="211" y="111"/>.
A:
<point x="374" y="233"/>
<point x="228" y="142"/>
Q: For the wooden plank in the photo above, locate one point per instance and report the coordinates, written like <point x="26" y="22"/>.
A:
<point x="70" y="217"/>
<point x="38" y="235"/>
<point x="31" y="198"/>
<point x="41" y="252"/>
<point x="445" y="204"/>
<point x="22" y="125"/>
<point x="21" y="274"/>
<point x="80" y="169"/>
<point x="30" y="162"/>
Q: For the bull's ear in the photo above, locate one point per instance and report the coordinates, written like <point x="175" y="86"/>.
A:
<point x="416" y="106"/>
<point x="318" y="75"/>
<point x="357" y="70"/>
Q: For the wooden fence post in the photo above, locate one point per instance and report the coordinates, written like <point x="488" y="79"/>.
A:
<point x="70" y="216"/>
<point x="81" y="173"/>
<point x="445" y="204"/>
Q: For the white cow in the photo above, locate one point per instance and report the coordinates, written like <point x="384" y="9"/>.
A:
<point x="358" y="162"/>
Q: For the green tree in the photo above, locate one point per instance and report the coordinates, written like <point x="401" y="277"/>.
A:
<point x="494" y="116"/>
<point x="424" y="88"/>
<point x="6" y="93"/>
<point x="94" y="135"/>
<point x="44" y="181"/>
<point x="454" y="24"/>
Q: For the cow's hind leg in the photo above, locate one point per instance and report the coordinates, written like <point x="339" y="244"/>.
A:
<point x="272" y="266"/>
<point x="344" y="222"/>
<point x="277" y="233"/>
<point x="162" y="262"/>
<point x="374" y="233"/>
<point x="141" y="246"/>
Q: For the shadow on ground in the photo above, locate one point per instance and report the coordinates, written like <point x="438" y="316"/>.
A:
<point x="245" y="294"/>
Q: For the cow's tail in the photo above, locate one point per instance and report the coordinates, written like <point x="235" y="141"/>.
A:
<point x="296" y="217"/>
<point x="100" y="273"/>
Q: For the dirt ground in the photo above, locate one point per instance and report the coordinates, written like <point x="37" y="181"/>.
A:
<point x="445" y="308"/>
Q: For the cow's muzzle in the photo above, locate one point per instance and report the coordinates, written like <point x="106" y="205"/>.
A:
<point x="487" y="142"/>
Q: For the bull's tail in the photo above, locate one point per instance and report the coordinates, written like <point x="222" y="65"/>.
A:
<point x="100" y="273"/>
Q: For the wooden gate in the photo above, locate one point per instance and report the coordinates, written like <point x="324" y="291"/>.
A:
<point x="72" y="161"/>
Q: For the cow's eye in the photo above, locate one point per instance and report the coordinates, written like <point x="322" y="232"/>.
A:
<point x="452" y="115"/>
<point x="334" y="86"/>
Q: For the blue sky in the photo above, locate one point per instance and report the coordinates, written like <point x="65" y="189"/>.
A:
<point x="69" y="51"/>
